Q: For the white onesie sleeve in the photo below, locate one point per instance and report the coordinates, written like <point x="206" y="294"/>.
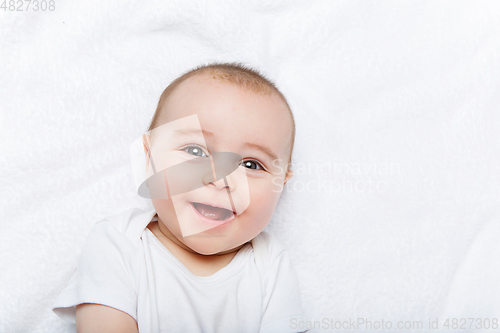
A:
<point x="104" y="274"/>
<point x="282" y="301"/>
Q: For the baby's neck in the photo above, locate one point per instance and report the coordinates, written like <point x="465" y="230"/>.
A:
<point x="198" y="264"/>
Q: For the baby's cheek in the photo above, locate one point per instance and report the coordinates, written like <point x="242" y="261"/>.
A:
<point x="259" y="212"/>
<point x="166" y="211"/>
<point x="263" y="201"/>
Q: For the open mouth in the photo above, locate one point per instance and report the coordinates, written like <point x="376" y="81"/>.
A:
<point x="216" y="214"/>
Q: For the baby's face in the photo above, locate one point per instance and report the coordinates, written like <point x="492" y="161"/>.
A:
<point x="255" y="126"/>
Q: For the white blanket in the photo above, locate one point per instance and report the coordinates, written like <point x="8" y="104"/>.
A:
<point x="393" y="210"/>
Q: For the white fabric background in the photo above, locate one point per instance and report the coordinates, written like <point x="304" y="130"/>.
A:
<point x="402" y="95"/>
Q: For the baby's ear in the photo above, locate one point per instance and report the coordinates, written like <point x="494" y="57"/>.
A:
<point x="146" y="143"/>
<point x="288" y="175"/>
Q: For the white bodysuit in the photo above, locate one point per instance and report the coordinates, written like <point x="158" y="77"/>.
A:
<point x="124" y="266"/>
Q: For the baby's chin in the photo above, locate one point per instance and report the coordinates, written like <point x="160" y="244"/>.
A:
<point x="216" y="242"/>
<point x="209" y="245"/>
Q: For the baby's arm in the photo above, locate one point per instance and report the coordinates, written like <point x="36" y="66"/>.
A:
<point x="100" y="296"/>
<point x="97" y="318"/>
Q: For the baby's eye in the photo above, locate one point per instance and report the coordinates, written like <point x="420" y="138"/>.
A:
<point x="195" y="151"/>
<point x="252" y="165"/>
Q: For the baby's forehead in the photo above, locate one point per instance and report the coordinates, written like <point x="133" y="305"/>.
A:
<point x="253" y="110"/>
<point x="204" y="91"/>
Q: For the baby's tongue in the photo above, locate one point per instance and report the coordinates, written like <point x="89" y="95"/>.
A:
<point x="211" y="212"/>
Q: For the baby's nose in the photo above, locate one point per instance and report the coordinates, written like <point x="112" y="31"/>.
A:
<point x="219" y="184"/>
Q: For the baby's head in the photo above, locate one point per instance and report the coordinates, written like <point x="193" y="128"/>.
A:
<point x="238" y="111"/>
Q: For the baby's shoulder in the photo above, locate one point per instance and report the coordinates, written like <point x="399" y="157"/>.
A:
<point x="267" y="249"/>
<point x="124" y="225"/>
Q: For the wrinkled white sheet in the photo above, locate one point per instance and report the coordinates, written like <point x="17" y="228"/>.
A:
<point x="393" y="210"/>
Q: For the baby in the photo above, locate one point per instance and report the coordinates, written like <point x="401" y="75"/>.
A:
<point x="217" y="155"/>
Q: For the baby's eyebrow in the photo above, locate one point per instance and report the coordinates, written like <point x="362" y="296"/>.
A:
<point x="188" y="132"/>
<point x="265" y="150"/>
